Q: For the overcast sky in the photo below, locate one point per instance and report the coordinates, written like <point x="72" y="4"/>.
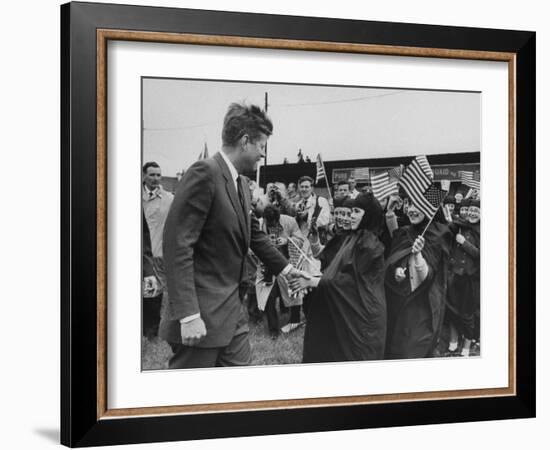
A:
<point x="180" y="116"/>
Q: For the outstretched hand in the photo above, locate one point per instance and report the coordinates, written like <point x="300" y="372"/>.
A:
<point x="296" y="274"/>
<point x="299" y="284"/>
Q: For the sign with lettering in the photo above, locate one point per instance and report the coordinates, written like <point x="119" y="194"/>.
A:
<point x="361" y="174"/>
<point x="449" y="172"/>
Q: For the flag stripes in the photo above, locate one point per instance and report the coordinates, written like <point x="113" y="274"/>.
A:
<point x="382" y="187"/>
<point x="361" y="173"/>
<point x="425" y="165"/>
<point x="470" y="179"/>
<point x="204" y="153"/>
<point x="396" y="173"/>
<point x="320" y="169"/>
<point x="416" y="178"/>
<point x="417" y="181"/>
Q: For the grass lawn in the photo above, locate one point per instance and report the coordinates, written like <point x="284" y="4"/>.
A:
<point x="287" y="349"/>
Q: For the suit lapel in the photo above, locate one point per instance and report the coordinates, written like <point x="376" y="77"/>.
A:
<point x="233" y="195"/>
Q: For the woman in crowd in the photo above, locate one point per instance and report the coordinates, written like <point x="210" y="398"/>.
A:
<point x="463" y="290"/>
<point x="416" y="286"/>
<point x="394" y="218"/>
<point x="325" y="253"/>
<point x="449" y="205"/>
<point x="338" y="232"/>
<point x="347" y="313"/>
<point x="464" y="206"/>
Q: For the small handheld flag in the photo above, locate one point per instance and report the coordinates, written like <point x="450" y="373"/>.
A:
<point x="382" y="187"/>
<point x="416" y="179"/>
<point x="320" y="173"/>
<point x="470" y="179"/>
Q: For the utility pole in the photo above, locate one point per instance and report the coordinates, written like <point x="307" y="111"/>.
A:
<point x="265" y="159"/>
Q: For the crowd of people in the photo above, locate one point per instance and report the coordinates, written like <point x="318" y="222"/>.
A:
<point x="369" y="276"/>
<point x="385" y="291"/>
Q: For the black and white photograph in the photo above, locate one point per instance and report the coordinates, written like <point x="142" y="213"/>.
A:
<point x="271" y="225"/>
<point x="299" y="223"/>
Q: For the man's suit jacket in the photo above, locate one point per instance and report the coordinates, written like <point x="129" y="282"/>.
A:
<point x="206" y="239"/>
<point x="147" y="263"/>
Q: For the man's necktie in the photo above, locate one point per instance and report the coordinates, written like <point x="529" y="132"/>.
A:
<point x="241" y="194"/>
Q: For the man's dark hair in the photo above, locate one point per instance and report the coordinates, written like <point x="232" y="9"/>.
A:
<point x="305" y="178"/>
<point x="342" y="183"/>
<point x="272" y="214"/>
<point x="149" y="164"/>
<point x="240" y="120"/>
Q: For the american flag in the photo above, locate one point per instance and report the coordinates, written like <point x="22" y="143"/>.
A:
<point x="396" y="173"/>
<point x="361" y="174"/>
<point x="423" y="162"/>
<point x="296" y="257"/>
<point x="470" y="179"/>
<point x="417" y="178"/>
<point x="430" y="200"/>
<point x="320" y="169"/>
<point x="204" y="153"/>
<point x="382" y="187"/>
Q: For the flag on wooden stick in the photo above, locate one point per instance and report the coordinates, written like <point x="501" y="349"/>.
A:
<point x="320" y="174"/>
<point x="204" y="153"/>
<point x="396" y="173"/>
<point x="425" y="165"/>
<point x="432" y="199"/>
<point x="445" y="185"/>
<point x="428" y="202"/>
<point x="382" y="187"/>
<point x="417" y="178"/>
<point x="470" y="179"/>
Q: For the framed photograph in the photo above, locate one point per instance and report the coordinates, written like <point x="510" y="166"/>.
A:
<point x="279" y="224"/>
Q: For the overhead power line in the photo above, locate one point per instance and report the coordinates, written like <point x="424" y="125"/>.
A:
<point x="357" y="99"/>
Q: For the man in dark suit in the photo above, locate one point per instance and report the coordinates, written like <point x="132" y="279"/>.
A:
<point x="206" y="238"/>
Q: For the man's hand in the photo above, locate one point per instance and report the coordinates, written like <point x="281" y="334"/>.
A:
<point x="280" y="241"/>
<point x="192" y="332"/>
<point x="460" y="239"/>
<point x="400" y="274"/>
<point x="150" y="286"/>
<point x="295" y="273"/>
<point x="299" y="284"/>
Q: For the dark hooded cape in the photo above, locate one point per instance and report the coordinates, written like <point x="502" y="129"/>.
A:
<point x="347" y="313"/>
<point x="464" y="287"/>
<point x="415" y="318"/>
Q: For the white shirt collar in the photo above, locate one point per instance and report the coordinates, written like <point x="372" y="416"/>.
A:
<point x="157" y="192"/>
<point x="232" y="170"/>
